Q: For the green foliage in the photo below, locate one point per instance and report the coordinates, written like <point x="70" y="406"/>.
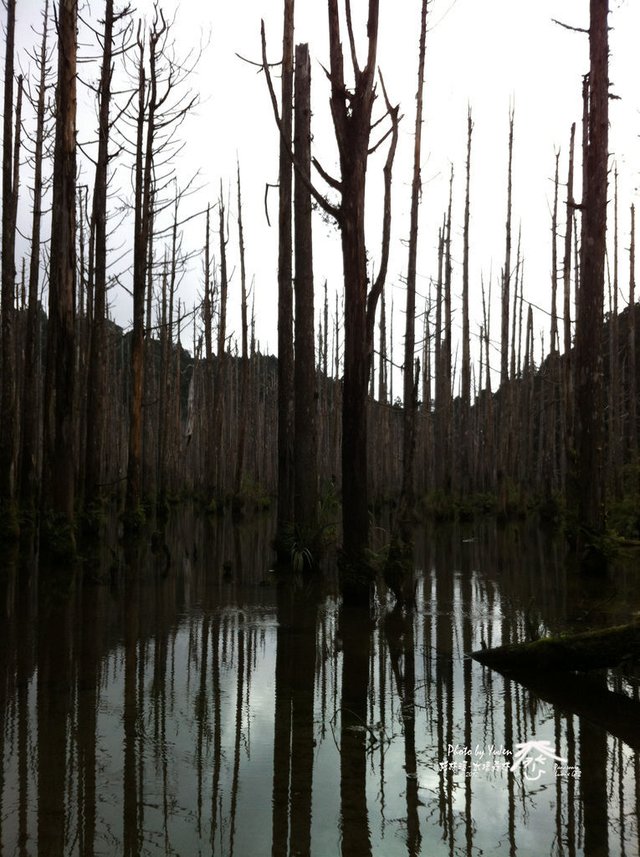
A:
<point x="252" y="496"/>
<point x="58" y="539"/>
<point x="441" y="506"/>
<point x="302" y="546"/>
<point x="134" y="521"/>
<point x="93" y="520"/>
<point x="624" y="517"/>
<point x="552" y="509"/>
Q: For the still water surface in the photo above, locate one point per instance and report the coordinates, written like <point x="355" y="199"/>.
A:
<point x="180" y="701"/>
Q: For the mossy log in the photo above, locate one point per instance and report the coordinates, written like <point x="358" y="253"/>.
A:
<point x="547" y="667"/>
<point x="600" y="649"/>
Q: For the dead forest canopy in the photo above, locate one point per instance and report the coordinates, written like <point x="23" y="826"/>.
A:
<point x="180" y="404"/>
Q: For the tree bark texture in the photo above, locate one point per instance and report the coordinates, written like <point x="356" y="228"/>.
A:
<point x="285" y="296"/>
<point x="588" y="487"/>
<point x="8" y="422"/>
<point x="61" y="444"/>
<point x="305" y="444"/>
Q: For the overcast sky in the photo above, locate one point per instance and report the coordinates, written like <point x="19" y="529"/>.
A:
<point x="483" y="54"/>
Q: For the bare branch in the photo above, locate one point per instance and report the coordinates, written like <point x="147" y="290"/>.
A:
<point x="378" y="285"/>
<point x="334" y="183"/>
<point x="569" y="27"/>
<point x="258" y="65"/>
<point x="352" y="41"/>
<point x="266" y="207"/>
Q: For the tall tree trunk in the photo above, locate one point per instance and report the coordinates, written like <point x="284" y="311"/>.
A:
<point x="439" y="391"/>
<point x="466" y="345"/>
<point x="96" y="380"/>
<point x="409" y="391"/>
<point x="8" y="412"/>
<point x="506" y="274"/>
<point x="588" y="481"/>
<point x="244" y="367"/>
<point x="134" y="465"/>
<point x="554" y="261"/>
<point x="60" y="440"/>
<point x="29" y="462"/>
<point x="147" y="106"/>
<point x="567" y="416"/>
<point x="305" y="444"/>
<point x="382" y="357"/>
<point x="351" y="112"/>
<point x="285" y="297"/>
<point x="631" y="348"/>
<point x="615" y="446"/>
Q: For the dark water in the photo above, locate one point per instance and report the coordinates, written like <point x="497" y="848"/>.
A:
<point x="179" y="701"/>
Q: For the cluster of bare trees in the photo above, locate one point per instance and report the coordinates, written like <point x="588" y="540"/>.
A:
<point x="547" y="425"/>
<point x="89" y="412"/>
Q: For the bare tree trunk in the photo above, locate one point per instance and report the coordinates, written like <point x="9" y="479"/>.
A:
<point x="8" y="412"/>
<point x="30" y="410"/>
<point x="96" y="380"/>
<point x="506" y="274"/>
<point x="615" y="446"/>
<point x="631" y="347"/>
<point x="409" y="392"/>
<point x="439" y="391"/>
<point x="285" y="298"/>
<point x="134" y="465"/>
<point x="466" y="345"/>
<point x="588" y="484"/>
<point x="147" y="106"/>
<point x="60" y="442"/>
<point x="382" y="357"/>
<point x="221" y="356"/>
<point x="351" y="113"/>
<point x="352" y="123"/>
<point x="554" y="262"/>
<point x="305" y="443"/>
<point x="244" y="369"/>
<point x="567" y="416"/>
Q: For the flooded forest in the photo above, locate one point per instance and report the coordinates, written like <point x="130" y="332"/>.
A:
<point x="374" y="591"/>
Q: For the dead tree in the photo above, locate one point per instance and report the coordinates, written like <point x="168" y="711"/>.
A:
<point x="96" y="381"/>
<point x="147" y="100"/>
<point x="506" y="274"/>
<point x="244" y="366"/>
<point x="410" y="385"/>
<point x="614" y="445"/>
<point x="285" y="297"/>
<point x="8" y="411"/>
<point x="162" y="105"/>
<point x="631" y="347"/>
<point x="588" y="489"/>
<point x="30" y="422"/>
<point x="554" y="261"/>
<point x="59" y="435"/>
<point x="567" y="407"/>
<point x="351" y="109"/>
<point x="305" y="438"/>
<point x="465" y="375"/>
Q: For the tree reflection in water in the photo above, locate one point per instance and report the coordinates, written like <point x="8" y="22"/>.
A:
<point x="181" y="700"/>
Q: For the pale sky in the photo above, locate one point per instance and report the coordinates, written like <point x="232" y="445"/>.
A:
<point x="483" y="54"/>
